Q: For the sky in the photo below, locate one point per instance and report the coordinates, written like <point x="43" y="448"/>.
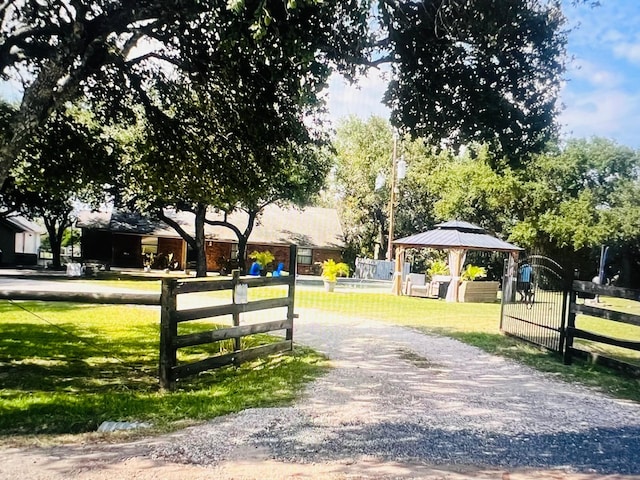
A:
<point x="601" y="96"/>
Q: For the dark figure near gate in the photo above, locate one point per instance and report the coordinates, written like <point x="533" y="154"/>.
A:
<point x="525" y="279"/>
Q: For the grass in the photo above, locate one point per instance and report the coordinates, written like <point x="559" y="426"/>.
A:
<point x="96" y="363"/>
<point x="72" y="367"/>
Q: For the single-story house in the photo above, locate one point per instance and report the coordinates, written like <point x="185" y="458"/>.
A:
<point x="124" y="239"/>
<point x="19" y="241"/>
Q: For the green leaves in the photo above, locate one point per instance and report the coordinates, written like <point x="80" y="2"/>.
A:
<point x="235" y="6"/>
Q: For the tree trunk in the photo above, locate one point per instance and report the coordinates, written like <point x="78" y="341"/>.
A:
<point x="242" y="253"/>
<point x="55" y="229"/>
<point x="243" y="237"/>
<point x="201" y="266"/>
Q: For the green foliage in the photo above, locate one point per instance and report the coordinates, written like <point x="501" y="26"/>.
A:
<point x="462" y="71"/>
<point x="331" y="270"/>
<point x="263" y="258"/>
<point x="438" y="267"/>
<point x="473" y="272"/>
<point x="467" y="71"/>
<point x="578" y="198"/>
<point x="67" y="160"/>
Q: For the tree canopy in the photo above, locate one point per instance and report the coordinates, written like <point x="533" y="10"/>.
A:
<point x="462" y="71"/>
<point x="566" y="203"/>
<point x="66" y="161"/>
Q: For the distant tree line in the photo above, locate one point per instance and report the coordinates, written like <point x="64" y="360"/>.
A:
<point x="565" y="202"/>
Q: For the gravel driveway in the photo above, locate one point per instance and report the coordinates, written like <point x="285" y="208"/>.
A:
<point x="400" y="395"/>
<point x="397" y="397"/>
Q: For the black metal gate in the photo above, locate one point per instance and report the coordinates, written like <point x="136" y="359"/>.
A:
<point x="535" y="310"/>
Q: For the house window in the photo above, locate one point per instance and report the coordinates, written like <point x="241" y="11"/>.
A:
<point x="234" y="251"/>
<point x="149" y="245"/>
<point x="305" y="256"/>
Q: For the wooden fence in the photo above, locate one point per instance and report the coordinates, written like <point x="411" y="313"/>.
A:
<point x="589" y="289"/>
<point x="170" y="317"/>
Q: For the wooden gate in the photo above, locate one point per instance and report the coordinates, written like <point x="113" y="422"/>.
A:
<point x="535" y="312"/>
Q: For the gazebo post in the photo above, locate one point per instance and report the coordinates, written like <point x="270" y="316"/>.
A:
<point x="509" y="289"/>
<point x="456" y="261"/>
<point x="396" y="287"/>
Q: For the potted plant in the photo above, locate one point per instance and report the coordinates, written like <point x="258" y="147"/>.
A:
<point x="331" y="271"/>
<point x="263" y="259"/>
<point x="473" y="291"/>
<point x="148" y="260"/>
<point x="439" y="278"/>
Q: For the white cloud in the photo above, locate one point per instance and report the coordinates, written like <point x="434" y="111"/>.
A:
<point x="604" y="113"/>
<point x="628" y="50"/>
<point x="594" y="74"/>
<point x="362" y="99"/>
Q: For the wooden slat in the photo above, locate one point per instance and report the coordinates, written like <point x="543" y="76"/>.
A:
<point x="182" y="371"/>
<point x="83" y="297"/>
<point x="606" y="314"/>
<point x="577" y="333"/>
<point x="196" y="285"/>
<point x="230" y="309"/>
<point x="590" y="287"/>
<point x="231" y="332"/>
<point x="204" y="312"/>
<point x="267" y="281"/>
<point x="264" y="304"/>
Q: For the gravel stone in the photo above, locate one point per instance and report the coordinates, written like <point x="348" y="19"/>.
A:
<point x="400" y="395"/>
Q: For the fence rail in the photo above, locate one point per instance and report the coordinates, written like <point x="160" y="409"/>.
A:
<point x="83" y="297"/>
<point x="170" y="341"/>
<point x="589" y="288"/>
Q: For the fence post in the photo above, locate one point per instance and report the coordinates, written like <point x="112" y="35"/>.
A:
<point x="235" y="278"/>
<point x="566" y="306"/>
<point x="571" y="325"/>
<point x="293" y="260"/>
<point x="168" y="333"/>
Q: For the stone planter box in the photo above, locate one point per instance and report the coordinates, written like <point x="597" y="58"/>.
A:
<point x="478" y="292"/>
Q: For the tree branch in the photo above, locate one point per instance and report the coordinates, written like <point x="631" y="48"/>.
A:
<point x="176" y="226"/>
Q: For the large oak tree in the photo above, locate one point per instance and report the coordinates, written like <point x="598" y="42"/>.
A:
<point x="484" y="70"/>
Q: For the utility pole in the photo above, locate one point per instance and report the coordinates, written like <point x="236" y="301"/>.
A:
<point x="392" y="196"/>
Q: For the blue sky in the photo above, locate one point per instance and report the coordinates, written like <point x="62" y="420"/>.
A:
<point x="602" y="93"/>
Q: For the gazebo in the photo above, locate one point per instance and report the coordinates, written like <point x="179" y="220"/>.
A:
<point x="457" y="237"/>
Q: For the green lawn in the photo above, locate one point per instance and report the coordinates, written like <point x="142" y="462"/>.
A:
<point x="66" y="368"/>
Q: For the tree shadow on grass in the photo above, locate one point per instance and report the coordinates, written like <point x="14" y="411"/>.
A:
<point x="45" y="358"/>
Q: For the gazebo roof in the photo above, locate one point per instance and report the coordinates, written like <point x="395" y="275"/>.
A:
<point x="457" y="234"/>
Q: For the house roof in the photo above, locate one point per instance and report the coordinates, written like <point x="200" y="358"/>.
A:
<point x="456" y="234"/>
<point x="21" y="224"/>
<point x="308" y="227"/>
